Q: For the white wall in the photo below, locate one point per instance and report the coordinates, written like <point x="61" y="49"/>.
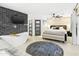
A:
<point x="41" y="10"/>
<point x="58" y="21"/>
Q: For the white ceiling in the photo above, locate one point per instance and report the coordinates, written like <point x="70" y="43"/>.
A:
<point x="42" y="10"/>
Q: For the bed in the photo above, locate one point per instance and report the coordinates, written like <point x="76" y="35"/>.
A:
<point x="13" y="26"/>
<point x="56" y="32"/>
<point x="13" y="30"/>
<point x="7" y="49"/>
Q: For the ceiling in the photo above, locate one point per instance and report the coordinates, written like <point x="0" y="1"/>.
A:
<point x="42" y="10"/>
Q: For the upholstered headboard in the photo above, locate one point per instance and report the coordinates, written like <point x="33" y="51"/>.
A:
<point x="9" y="19"/>
<point x="10" y="13"/>
<point x="64" y="26"/>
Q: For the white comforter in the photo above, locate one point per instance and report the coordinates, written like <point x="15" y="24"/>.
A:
<point x="15" y="40"/>
<point x="55" y="32"/>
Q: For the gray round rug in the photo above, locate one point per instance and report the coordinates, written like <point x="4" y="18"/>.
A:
<point x="42" y="48"/>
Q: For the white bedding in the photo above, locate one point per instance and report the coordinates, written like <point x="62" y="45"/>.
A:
<point x="55" y="32"/>
<point x="3" y="52"/>
<point x="15" y="40"/>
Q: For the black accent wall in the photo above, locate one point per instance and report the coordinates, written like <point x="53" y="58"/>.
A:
<point x="12" y="21"/>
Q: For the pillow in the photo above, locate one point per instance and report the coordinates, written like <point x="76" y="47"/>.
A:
<point x="61" y="28"/>
<point x="55" y="28"/>
<point x="52" y="28"/>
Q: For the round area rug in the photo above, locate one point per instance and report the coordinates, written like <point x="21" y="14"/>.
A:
<point x="42" y="48"/>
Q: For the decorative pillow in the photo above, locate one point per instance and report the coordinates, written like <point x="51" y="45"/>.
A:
<point x="55" y="27"/>
<point x="61" y="28"/>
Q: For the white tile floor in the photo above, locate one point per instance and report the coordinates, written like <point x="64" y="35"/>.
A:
<point x="68" y="47"/>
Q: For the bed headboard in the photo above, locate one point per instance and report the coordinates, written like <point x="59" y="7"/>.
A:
<point x="12" y="21"/>
<point x="64" y="26"/>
